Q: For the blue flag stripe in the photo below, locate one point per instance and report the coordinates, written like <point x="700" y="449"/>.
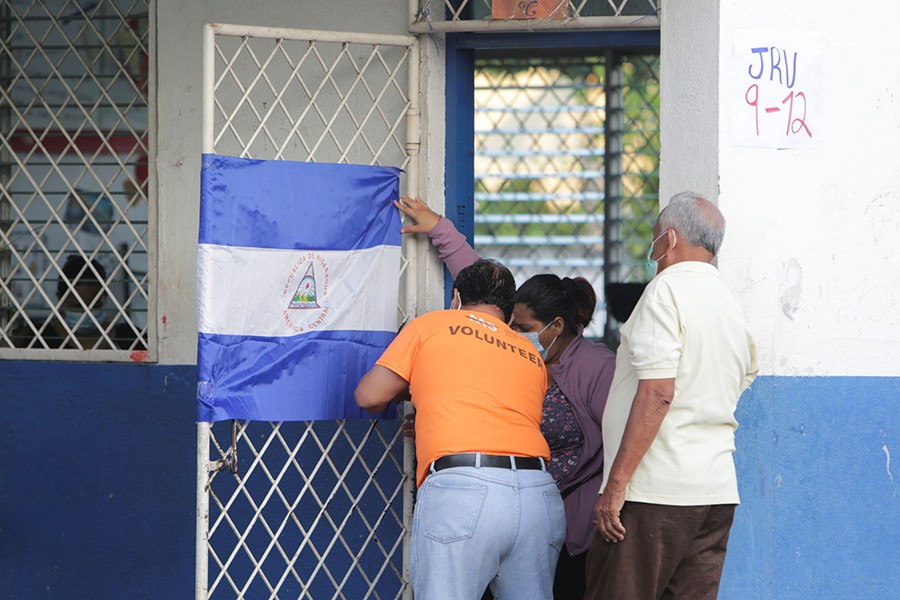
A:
<point x="295" y="205"/>
<point x="306" y="377"/>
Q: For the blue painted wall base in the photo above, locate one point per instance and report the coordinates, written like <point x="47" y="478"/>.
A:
<point x="820" y="512"/>
<point x="97" y="480"/>
<point x="97" y="472"/>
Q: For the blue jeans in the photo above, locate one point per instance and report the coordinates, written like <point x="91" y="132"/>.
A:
<point x="478" y="526"/>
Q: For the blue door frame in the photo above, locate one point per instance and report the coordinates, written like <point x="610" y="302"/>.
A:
<point x="459" y="168"/>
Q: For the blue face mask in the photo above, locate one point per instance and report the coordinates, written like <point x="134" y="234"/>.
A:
<point x="534" y="338"/>
<point x="73" y="316"/>
<point x="653" y="265"/>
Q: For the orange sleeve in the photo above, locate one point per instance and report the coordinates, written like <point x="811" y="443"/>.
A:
<point x="401" y="354"/>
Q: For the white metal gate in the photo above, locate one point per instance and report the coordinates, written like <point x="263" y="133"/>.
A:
<point x="311" y="509"/>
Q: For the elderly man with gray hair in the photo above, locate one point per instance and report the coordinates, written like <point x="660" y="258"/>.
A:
<point x="669" y="487"/>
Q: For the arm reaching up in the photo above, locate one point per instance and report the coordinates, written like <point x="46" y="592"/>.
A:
<point x="452" y="247"/>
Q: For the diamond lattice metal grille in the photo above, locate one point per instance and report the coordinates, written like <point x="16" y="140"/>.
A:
<point x="74" y="211"/>
<point x="315" y="510"/>
<point x="556" y="137"/>
<point x="508" y="15"/>
<point x="313" y="101"/>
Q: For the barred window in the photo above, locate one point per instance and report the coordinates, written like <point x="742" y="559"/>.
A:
<point x="75" y="212"/>
<point x="567" y="168"/>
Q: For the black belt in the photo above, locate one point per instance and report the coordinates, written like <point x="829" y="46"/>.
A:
<point x="488" y="460"/>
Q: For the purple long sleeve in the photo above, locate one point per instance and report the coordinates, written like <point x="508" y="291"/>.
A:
<point x="452" y="247"/>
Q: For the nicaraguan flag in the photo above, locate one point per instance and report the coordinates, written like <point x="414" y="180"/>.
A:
<point x="298" y="270"/>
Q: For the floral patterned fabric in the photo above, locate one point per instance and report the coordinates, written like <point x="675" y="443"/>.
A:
<point x="563" y="435"/>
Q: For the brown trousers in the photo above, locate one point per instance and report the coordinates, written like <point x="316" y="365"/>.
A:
<point x="669" y="553"/>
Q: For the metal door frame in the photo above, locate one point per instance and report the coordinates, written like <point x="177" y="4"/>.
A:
<point x="206" y="468"/>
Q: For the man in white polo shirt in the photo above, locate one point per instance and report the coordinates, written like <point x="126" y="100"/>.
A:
<point x="670" y="489"/>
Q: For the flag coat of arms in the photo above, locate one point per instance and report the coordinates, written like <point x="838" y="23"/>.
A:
<point x="298" y="268"/>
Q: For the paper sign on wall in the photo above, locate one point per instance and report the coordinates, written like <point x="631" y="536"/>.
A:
<point x="774" y="99"/>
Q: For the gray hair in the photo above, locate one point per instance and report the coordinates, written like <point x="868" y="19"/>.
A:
<point x="696" y="220"/>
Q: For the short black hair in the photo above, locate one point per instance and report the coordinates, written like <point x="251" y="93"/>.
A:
<point x="487" y="282"/>
<point x="76" y="271"/>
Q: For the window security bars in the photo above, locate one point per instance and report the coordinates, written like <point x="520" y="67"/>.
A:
<point x="567" y="166"/>
<point x="315" y="509"/>
<point x="632" y="164"/>
<point x="75" y="217"/>
<point x="426" y="16"/>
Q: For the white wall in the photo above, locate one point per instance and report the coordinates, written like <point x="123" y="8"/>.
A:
<point x="688" y="98"/>
<point x="813" y="233"/>
<point x="179" y="50"/>
<point x="430" y="287"/>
